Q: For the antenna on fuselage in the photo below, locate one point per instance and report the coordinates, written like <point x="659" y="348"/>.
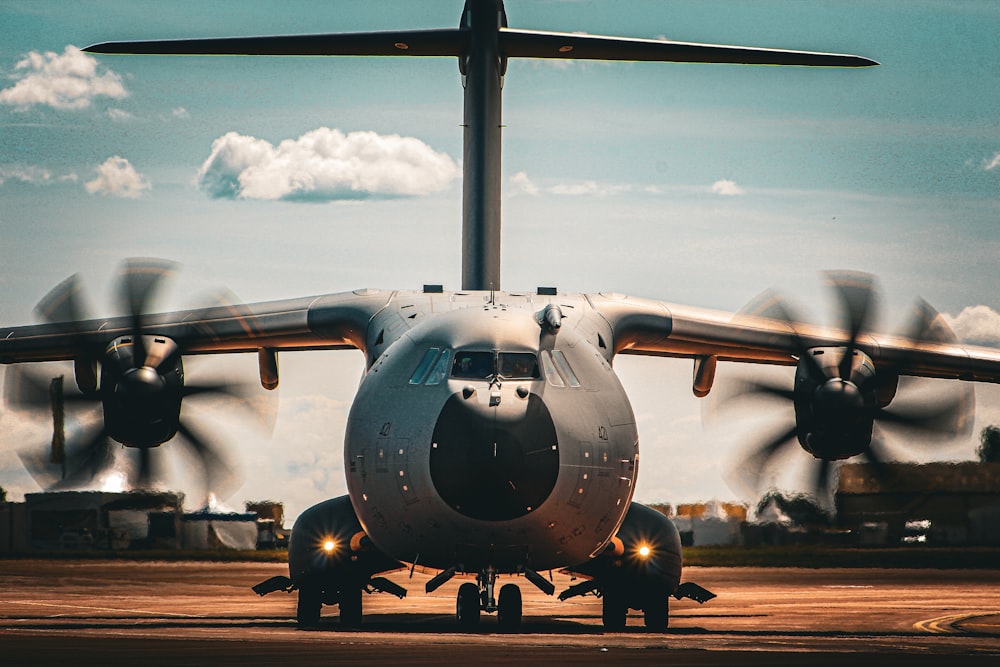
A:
<point x="482" y="43"/>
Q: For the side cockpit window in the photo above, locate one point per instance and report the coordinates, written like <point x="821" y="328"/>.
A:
<point x="433" y="367"/>
<point x="557" y="369"/>
<point x="440" y="370"/>
<point x="425" y="364"/>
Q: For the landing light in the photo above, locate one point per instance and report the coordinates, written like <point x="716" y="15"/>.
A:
<point x="329" y="546"/>
<point x="644" y="551"/>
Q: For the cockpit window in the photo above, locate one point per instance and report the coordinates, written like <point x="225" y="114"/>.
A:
<point x="421" y="372"/>
<point x="565" y="370"/>
<point x="551" y="374"/>
<point x="440" y="370"/>
<point x="473" y="365"/>
<point x="517" y="366"/>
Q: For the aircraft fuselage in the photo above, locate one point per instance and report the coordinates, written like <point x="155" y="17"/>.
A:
<point x="490" y="431"/>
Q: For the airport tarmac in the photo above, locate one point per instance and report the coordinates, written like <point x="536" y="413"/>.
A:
<point x="181" y="613"/>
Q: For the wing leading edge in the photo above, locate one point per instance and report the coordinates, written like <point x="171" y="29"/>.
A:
<point x="657" y="328"/>
<point x="333" y="321"/>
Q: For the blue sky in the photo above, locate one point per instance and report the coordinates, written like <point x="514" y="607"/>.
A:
<point x="695" y="184"/>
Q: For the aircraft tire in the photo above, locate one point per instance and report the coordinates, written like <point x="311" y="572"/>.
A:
<point x="509" y="608"/>
<point x="308" y="608"/>
<point x="656" y="613"/>
<point x="350" y="606"/>
<point x="467" y="606"/>
<point x="614" y="611"/>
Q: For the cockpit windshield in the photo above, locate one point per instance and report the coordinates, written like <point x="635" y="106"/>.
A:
<point x="474" y="365"/>
<point x="518" y="366"/>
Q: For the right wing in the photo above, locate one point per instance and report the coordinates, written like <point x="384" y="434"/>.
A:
<point x="333" y="321"/>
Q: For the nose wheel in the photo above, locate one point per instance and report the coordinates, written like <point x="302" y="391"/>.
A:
<point x="474" y="598"/>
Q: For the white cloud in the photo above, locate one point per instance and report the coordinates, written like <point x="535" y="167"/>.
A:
<point x="120" y="115"/>
<point x="977" y="325"/>
<point x="25" y="174"/>
<point x="324" y="164"/>
<point x="118" y="178"/>
<point x="993" y="163"/>
<point x="70" y="80"/>
<point x="180" y="113"/>
<point x="521" y="183"/>
<point x="727" y="188"/>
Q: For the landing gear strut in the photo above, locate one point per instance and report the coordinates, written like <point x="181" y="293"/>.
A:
<point x="480" y="596"/>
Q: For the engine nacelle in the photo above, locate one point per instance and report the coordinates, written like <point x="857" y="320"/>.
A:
<point x="142" y="396"/>
<point x="643" y="558"/>
<point x="329" y="550"/>
<point x="836" y="402"/>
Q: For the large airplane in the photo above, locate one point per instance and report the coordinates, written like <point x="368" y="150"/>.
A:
<point x="490" y="437"/>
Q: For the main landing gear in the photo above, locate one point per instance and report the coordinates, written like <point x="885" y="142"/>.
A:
<point x="476" y="597"/>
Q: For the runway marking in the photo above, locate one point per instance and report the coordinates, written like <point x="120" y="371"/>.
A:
<point x="945" y="625"/>
<point x="115" y="609"/>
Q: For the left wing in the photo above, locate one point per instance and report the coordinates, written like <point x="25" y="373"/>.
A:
<point x="649" y="327"/>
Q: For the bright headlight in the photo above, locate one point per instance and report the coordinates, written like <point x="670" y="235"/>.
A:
<point x="645" y="551"/>
<point x="329" y="546"/>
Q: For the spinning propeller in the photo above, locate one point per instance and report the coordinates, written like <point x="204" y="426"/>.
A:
<point x="134" y="375"/>
<point x="839" y="394"/>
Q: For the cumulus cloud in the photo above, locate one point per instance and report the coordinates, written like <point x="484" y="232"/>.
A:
<point x="727" y="188"/>
<point x="70" y="80"/>
<point x="993" y="162"/>
<point x="521" y="183"/>
<point x="977" y="325"/>
<point x="118" y="178"/>
<point x="324" y="164"/>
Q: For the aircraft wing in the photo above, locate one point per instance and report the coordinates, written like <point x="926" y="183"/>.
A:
<point x="441" y="42"/>
<point x="657" y="328"/>
<point x="541" y="44"/>
<point x="334" y="321"/>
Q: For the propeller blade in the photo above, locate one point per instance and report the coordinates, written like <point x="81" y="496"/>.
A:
<point x="857" y="298"/>
<point x="215" y="470"/>
<point x="63" y="303"/>
<point x="772" y="305"/>
<point x="140" y="278"/>
<point x="822" y="481"/>
<point x="90" y="460"/>
<point x="753" y="466"/>
<point x="146" y="472"/>
<point x="948" y="418"/>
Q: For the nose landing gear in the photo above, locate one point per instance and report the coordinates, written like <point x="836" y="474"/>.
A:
<point x="480" y="596"/>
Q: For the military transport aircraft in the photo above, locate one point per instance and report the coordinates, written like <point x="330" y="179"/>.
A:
<point x="490" y="435"/>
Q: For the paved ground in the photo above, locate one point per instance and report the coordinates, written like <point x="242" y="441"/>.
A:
<point x="149" y="614"/>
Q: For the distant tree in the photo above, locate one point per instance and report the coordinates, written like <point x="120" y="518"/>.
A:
<point x="800" y="508"/>
<point x="3" y="495"/>
<point x="989" y="445"/>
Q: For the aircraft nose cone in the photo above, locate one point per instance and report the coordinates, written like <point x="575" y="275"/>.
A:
<point x="494" y="463"/>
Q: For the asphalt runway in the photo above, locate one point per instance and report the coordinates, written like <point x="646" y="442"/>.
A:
<point x="159" y="613"/>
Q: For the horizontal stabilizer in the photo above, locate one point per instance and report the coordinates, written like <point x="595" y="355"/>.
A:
<point x="443" y="42"/>
<point x="539" y="44"/>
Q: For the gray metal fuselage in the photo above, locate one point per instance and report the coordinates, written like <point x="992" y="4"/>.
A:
<point x="490" y="472"/>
